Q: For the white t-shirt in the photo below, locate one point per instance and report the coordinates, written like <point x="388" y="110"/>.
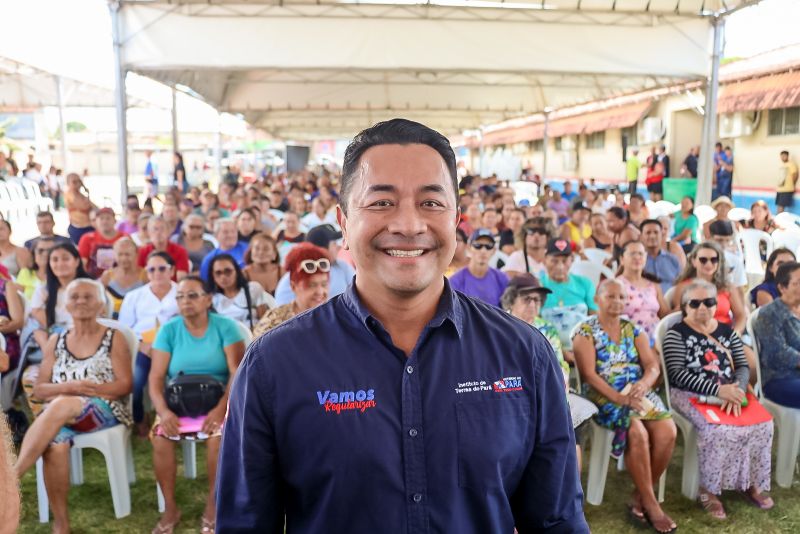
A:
<point x="141" y="308"/>
<point x="737" y="276"/>
<point x="236" y="308"/>
<point x="39" y="300"/>
<point x="516" y="262"/>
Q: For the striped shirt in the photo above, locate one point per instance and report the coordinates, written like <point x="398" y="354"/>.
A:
<point x="698" y="365"/>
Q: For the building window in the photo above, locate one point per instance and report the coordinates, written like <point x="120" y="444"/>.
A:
<point x="558" y="143"/>
<point x="784" y="121"/>
<point x="596" y="140"/>
<point x="630" y="133"/>
<point x="537" y="145"/>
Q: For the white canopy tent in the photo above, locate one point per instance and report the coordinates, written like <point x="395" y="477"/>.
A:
<point x="328" y="68"/>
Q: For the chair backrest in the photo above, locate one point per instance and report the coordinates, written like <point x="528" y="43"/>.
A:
<point x="751" y="331"/>
<point x="665" y="207"/>
<point x="498" y="256"/>
<point x="751" y="240"/>
<point x="739" y="214"/>
<point x="211" y="239"/>
<point x="572" y="334"/>
<point x="704" y="213"/>
<point x="597" y="255"/>
<point x="592" y="271"/>
<point x="131" y="340"/>
<point x="669" y="296"/>
<point x="785" y="219"/>
<point x="2" y="342"/>
<point x="661" y="331"/>
<point x="788" y="239"/>
<point x="246" y="333"/>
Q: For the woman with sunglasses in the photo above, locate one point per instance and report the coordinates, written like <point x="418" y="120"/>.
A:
<point x="263" y="263"/>
<point x="767" y="291"/>
<point x="191" y="238"/>
<point x="232" y="295"/>
<point x="705" y="357"/>
<point x="32" y="278"/>
<point x="309" y="276"/>
<point x="619" y="371"/>
<point x="197" y="342"/>
<point x="144" y="310"/>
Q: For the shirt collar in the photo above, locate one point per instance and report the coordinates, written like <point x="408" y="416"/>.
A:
<point x="449" y="308"/>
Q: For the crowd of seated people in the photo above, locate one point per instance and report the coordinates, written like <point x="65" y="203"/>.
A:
<point x="190" y="274"/>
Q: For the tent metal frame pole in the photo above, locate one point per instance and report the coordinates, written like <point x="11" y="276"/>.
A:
<point x="62" y="127"/>
<point x="174" y="112"/>
<point x="120" y="74"/>
<point x="706" y="164"/>
<point x="545" y="142"/>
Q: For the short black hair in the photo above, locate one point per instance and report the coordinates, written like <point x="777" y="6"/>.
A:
<point x="393" y="132"/>
<point x="784" y="152"/>
<point x="43" y="214"/>
<point x="650" y="221"/>
<point x="784" y="274"/>
<point x="618" y="212"/>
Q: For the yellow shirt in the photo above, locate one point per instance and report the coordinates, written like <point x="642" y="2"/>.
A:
<point x="788" y="179"/>
<point x="577" y="235"/>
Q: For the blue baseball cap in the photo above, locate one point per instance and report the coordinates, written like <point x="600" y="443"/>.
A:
<point x="482" y="233"/>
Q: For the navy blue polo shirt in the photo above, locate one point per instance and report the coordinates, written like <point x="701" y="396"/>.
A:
<point x="332" y="428"/>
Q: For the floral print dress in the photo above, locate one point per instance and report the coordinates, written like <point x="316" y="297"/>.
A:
<point x="618" y="364"/>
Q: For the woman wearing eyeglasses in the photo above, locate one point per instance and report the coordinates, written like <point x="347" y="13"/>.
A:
<point x="233" y="296"/>
<point x="144" y="310"/>
<point x="309" y="276"/>
<point x="705" y="357"/>
<point x="209" y="347"/>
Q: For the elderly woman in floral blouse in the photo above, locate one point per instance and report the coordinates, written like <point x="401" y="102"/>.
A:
<point x="619" y="370"/>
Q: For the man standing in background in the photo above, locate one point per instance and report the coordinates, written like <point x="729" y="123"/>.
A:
<point x="784" y="197"/>
<point x="632" y="170"/>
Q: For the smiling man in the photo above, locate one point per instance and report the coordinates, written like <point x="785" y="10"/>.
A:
<point x="400" y="405"/>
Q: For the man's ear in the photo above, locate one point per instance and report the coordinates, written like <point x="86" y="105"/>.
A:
<point x="341" y="218"/>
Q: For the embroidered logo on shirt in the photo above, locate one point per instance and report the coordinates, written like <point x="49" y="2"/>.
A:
<point x="509" y="383"/>
<point x="342" y="401"/>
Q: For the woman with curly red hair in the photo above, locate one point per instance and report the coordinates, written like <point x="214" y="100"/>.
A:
<point x="309" y="275"/>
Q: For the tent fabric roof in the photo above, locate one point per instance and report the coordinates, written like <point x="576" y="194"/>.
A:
<point x="327" y="68"/>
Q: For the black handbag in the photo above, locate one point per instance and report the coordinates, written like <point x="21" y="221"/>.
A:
<point x="193" y="395"/>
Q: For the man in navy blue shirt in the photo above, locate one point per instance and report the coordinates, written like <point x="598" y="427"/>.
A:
<point x="400" y="405"/>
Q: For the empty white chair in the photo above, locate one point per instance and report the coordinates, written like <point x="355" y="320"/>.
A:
<point x="665" y="207"/>
<point x="690" y="480"/>
<point x="751" y="241"/>
<point x="114" y="443"/>
<point x="669" y="296"/>
<point x="787" y="420"/>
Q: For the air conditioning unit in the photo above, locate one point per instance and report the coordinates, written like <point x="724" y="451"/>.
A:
<point x="569" y="160"/>
<point x="736" y="125"/>
<point x="652" y="131"/>
<point x="569" y="143"/>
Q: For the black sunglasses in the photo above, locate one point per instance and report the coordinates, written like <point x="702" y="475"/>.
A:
<point x="484" y="246"/>
<point x="533" y="231"/>
<point x="710" y="302"/>
<point x="704" y="260"/>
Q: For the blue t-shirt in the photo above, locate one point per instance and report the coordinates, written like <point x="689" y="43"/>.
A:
<point x="489" y="288"/>
<point x="198" y="356"/>
<point x="237" y="252"/>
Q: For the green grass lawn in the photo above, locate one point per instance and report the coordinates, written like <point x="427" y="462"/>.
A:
<point x="91" y="509"/>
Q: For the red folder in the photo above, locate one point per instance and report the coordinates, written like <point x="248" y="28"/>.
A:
<point x="752" y="414"/>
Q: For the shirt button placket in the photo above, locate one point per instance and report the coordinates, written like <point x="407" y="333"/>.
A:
<point x="413" y="449"/>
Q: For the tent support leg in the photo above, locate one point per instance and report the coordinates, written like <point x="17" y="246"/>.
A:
<point x="706" y="164"/>
<point x="121" y="100"/>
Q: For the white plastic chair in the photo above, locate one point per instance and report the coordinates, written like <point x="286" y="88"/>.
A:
<point x="704" y="213"/>
<point x="592" y="271"/>
<point x="739" y="214"/>
<point x="114" y="443"/>
<point x="751" y="240"/>
<point x="785" y="219"/>
<point x="669" y="296"/>
<point x="597" y="255"/>
<point x="690" y="480"/>
<point x="600" y="454"/>
<point x="787" y="420"/>
<point x="496" y="259"/>
<point x="788" y="239"/>
<point x="665" y="207"/>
